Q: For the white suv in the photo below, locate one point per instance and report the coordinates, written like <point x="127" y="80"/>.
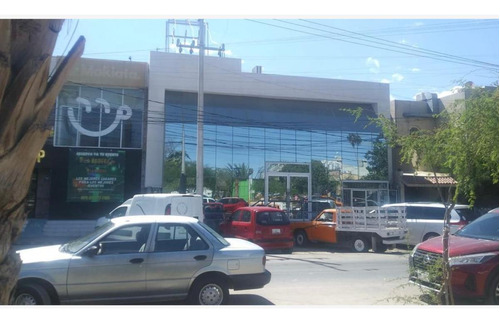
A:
<point x="426" y="220"/>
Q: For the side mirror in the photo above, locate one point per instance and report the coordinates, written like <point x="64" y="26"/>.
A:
<point x="92" y="251"/>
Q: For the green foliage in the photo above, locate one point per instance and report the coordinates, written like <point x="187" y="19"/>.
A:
<point x="473" y="147"/>
<point x="354" y="139"/>
<point x="378" y="166"/>
<point x="464" y="144"/>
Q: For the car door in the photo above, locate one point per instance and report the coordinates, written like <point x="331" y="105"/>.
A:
<point x="416" y="224"/>
<point x="244" y="225"/>
<point x="233" y="224"/>
<point x="178" y="253"/>
<point x="117" y="271"/>
<point x="323" y="228"/>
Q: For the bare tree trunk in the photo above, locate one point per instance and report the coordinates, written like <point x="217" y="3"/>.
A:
<point x="446" y="291"/>
<point x="27" y="96"/>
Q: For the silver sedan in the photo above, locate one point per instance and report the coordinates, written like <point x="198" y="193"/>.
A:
<point x="141" y="259"/>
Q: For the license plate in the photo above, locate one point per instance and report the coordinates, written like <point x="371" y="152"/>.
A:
<point x="276" y="231"/>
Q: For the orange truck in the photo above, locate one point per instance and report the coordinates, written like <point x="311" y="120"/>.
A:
<point x="361" y="228"/>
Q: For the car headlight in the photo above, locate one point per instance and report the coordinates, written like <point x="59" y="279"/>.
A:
<point x="412" y="253"/>
<point x="410" y="258"/>
<point x="471" y="259"/>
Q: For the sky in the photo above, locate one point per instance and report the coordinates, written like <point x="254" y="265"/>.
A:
<point x="415" y="47"/>
<point x="413" y="55"/>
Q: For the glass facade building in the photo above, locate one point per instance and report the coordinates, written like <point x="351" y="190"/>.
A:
<point x="244" y="133"/>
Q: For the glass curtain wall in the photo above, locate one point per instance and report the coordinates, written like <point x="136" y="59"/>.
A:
<point x="241" y="134"/>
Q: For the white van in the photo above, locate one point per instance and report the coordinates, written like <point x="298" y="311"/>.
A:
<point x="158" y="204"/>
<point x="426" y="220"/>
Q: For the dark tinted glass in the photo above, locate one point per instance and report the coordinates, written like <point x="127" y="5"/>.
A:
<point x="412" y="212"/>
<point x="424" y="213"/>
<point x="245" y="216"/>
<point x="433" y="213"/>
<point x="272" y="218"/>
<point x="466" y="214"/>
<point x="484" y="227"/>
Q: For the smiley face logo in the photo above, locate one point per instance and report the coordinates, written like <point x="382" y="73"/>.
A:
<point x="124" y="112"/>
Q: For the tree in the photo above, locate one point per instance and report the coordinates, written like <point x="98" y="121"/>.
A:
<point x="378" y="166"/>
<point x="464" y="144"/>
<point x="355" y="140"/>
<point x="27" y="96"/>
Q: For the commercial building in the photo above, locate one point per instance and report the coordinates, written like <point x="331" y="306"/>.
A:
<point x="92" y="160"/>
<point x="116" y="123"/>
<point x="251" y="119"/>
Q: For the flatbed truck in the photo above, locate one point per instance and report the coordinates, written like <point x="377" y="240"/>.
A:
<point x="361" y="228"/>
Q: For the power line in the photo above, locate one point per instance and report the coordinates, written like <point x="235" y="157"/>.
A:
<point x="382" y="46"/>
<point x="398" y="45"/>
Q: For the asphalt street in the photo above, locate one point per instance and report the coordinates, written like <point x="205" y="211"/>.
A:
<point x="326" y="276"/>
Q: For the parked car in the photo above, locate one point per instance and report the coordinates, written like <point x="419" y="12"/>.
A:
<point x="426" y="220"/>
<point x="231" y="204"/>
<point x="141" y="258"/>
<point x="266" y="226"/>
<point x="473" y="253"/>
<point x="213" y="213"/>
<point x="158" y="203"/>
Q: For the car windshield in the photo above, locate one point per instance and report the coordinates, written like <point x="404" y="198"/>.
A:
<point x="78" y="244"/>
<point x="484" y="227"/>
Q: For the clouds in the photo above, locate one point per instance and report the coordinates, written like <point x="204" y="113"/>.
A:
<point x="396" y="77"/>
<point x="373" y="65"/>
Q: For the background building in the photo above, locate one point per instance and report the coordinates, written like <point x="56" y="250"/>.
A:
<point x="254" y="118"/>
<point x="92" y="160"/>
<point x="415" y="185"/>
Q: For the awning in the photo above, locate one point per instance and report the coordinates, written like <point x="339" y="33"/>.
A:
<point x="412" y="180"/>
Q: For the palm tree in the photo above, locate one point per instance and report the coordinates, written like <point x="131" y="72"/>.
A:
<point x="355" y="140"/>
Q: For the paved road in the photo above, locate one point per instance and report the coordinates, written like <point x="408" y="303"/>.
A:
<point x="326" y="276"/>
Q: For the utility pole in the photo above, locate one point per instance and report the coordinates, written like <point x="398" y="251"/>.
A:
<point x="200" y="114"/>
<point x="201" y="46"/>
<point x="182" y="183"/>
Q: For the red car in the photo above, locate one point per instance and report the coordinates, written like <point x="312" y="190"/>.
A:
<point x="231" y="204"/>
<point x="265" y="226"/>
<point x="473" y="252"/>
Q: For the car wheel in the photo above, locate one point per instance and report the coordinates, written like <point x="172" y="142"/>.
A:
<point x="32" y="294"/>
<point x="209" y="291"/>
<point x="430" y="235"/>
<point x="492" y="294"/>
<point x="359" y="245"/>
<point x="300" y="238"/>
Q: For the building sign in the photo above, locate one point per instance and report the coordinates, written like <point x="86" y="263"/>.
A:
<point x="96" y="175"/>
<point x="122" y="113"/>
<point x="99" y="117"/>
